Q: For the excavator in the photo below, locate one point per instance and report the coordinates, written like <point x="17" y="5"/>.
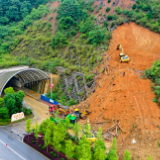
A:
<point x="123" y="57"/>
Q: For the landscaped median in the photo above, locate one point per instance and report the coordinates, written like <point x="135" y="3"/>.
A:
<point x="11" y="110"/>
<point x="38" y="144"/>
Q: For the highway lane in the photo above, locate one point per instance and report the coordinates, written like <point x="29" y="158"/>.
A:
<point x="16" y="150"/>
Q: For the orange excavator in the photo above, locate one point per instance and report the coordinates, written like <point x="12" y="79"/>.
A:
<point x="123" y="57"/>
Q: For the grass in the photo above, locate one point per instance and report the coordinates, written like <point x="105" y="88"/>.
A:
<point x="4" y="122"/>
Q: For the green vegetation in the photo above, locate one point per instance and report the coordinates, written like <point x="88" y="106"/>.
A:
<point x="146" y="14"/>
<point x="57" y="136"/>
<point x="108" y="9"/>
<point x="9" y="33"/>
<point x="154" y="75"/>
<point x="13" y="11"/>
<point x="12" y="104"/>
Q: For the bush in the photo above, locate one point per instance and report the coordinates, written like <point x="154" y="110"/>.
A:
<point x="109" y="1"/>
<point x="62" y="159"/>
<point x="72" y="102"/>
<point x="4" y="112"/>
<point x="27" y="111"/>
<point x="109" y="17"/>
<point x="51" y="152"/>
<point x="134" y="6"/>
<point x="108" y="9"/>
<point x="54" y="155"/>
<point x="40" y="146"/>
<point x="105" y="23"/>
<point x="43" y="147"/>
<point x="33" y="141"/>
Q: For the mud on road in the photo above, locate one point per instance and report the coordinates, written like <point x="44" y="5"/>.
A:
<point x="128" y="99"/>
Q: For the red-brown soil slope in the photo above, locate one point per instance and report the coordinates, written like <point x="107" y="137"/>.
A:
<point x="128" y="99"/>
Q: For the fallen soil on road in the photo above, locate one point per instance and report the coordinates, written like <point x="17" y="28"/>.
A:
<point x="128" y="99"/>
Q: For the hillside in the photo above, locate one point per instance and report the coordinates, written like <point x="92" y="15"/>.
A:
<point x="82" y="36"/>
<point x="128" y="99"/>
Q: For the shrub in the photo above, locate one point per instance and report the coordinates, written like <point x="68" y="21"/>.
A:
<point x="43" y="147"/>
<point x="113" y="2"/>
<point x="51" y="152"/>
<point x="134" y="6"/>
<point x="109" y="17"/>
<point x="40" y="146"/>
<point x="108" y="9"/>
<point x="33" y="141"/>
<point x="105" y="23"/>
<point x="72" y="102"/>
<point x="109" y="1"/>
<point x="27" y="111"/>
<point x="62" y="159"/>
<point x="54" y="155"/>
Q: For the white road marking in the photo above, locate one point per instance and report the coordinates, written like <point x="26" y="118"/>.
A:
<point x="12" y="150"/>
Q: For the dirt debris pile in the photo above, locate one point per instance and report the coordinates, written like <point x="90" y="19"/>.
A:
<point x="127" y="99"/>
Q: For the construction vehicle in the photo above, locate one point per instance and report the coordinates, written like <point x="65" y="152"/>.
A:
<point x="53" y="108"/>
<point x="123" y="57"/>
<point x="79" y="114"/>
<point x="62" y="112"/>
<point x="89" y="135"/>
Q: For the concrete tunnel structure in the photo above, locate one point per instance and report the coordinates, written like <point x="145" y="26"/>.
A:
<point x="32" y="78"/>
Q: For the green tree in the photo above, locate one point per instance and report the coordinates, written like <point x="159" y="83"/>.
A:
<point x="112" y="155"/>
<point x="1" y="102"/>
<point x="105" y="23"/>
<point x="99" y="154"/>
<point x="47" y="137"/>
<point x="9" y="101"/>
<point x="28" y="126"/>
<point x="76" y="129"/>
<point x="108" y="9"/>
<point x="69" y="8"/>
<point x="134" y="6"/>
<point x="87" y="25"/>
<point x="97" y="35"/>
<point x="9" y="90"/>
<point x="43" y="126"/>
<point x="83" y="149"/>
<point x="59" y="134"/>
<point x="4" y="112"/>
<point x="36" y="130"/>
<point x="59" y="40"/>
<point x="69" y="149"/>
<point x="127" y="155"/>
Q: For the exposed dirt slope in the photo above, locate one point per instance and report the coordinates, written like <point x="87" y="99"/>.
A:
<point x="128" y="99"/>
<point x="53" y="21"/>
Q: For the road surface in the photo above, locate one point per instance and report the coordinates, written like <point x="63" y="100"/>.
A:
<point x="16" y="150"/>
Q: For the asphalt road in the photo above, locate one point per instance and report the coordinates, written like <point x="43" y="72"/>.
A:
<point x="16" y="150"/>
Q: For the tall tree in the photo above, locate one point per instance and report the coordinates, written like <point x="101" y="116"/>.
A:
<point x="69" y="8"/>
<point x="36" y="130"/>
<point x="83" y="149"/>
<point x="28" y="126"/>
<point x="9" y="90"/>
<point x="59" y="134"/>
<point x="47" y="137"/>
<point x="69" y="149"/>
<point x="76" y="129"/>
<point x="127" y="155"/>
<point x="112" y="155"/>
<point x="99" y="154"/>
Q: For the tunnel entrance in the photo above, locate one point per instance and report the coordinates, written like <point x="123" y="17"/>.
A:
<point x="28" y="80"/>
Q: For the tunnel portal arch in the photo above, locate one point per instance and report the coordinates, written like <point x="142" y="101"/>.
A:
<point x="25" y="77"/>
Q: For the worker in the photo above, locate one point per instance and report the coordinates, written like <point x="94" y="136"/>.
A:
<point x="123" y="74"/>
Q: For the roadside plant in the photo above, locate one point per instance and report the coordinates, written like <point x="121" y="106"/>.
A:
<point x="69" y="149"/>
<point x="127" y="155"/>
<point x="28" y="126"/>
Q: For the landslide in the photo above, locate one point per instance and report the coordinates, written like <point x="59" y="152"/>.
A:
<point x="128" y="99"/>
